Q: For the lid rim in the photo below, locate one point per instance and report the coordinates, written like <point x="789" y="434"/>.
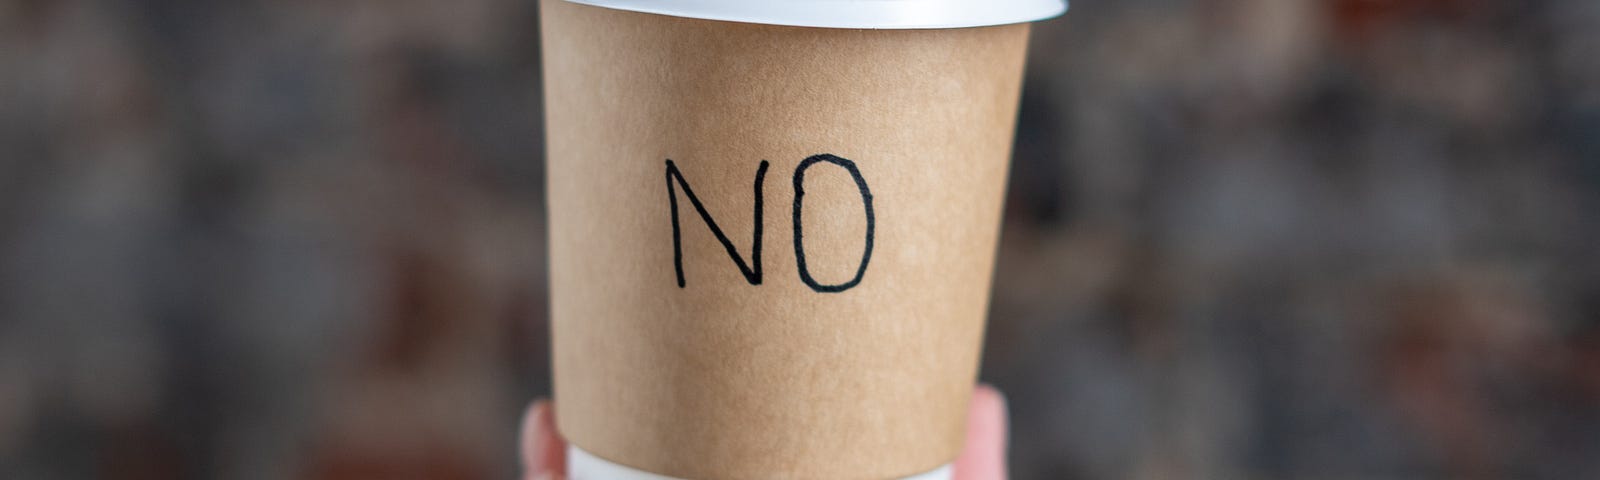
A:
<point x="850" y="14"/>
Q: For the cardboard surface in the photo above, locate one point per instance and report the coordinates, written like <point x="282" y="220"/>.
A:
<point x="751" y="370"/>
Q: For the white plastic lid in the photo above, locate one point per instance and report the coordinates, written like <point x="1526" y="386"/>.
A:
<point x="885" y="14"/>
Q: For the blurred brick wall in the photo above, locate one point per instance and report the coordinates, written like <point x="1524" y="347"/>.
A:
<point x="1246" y="238"/>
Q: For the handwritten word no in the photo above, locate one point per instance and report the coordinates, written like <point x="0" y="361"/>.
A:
<point x="752" y="269"/>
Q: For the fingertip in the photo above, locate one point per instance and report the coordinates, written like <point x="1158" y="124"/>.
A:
<point x="543" y="451"/>
<point x="527" y="432"/>
<point x="531" y="419"/>
<point x="990" y="404"/>
<point x="984" y="456"/>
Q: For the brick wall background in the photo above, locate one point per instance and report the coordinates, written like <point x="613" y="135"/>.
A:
<point x="1245" y="239"/>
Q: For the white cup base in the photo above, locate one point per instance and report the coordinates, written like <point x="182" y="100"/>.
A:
<point x="582" y="465"/>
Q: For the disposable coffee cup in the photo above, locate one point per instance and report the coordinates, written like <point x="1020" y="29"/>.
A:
<point x="772" y="230"/>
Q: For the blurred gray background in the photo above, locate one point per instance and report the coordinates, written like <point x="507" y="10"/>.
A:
<point x="1317" y="239"/>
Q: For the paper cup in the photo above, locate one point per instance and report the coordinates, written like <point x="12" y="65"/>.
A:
<point x="771" y="246"/>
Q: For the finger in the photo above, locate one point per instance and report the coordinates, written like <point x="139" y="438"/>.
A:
<point x="984" y="457"/>
<point x="543" y="451"/>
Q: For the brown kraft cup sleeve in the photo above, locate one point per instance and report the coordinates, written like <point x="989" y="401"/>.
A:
<point x="771" y="247"/>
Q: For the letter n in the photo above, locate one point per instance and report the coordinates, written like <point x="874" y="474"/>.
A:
<point x="752" y="270"/>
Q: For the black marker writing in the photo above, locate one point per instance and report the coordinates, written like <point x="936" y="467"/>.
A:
<point x="799" y="204"/>
<point x="751" y="271"/>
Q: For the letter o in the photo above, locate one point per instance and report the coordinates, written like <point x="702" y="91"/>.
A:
<point x="799" y="237"/>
